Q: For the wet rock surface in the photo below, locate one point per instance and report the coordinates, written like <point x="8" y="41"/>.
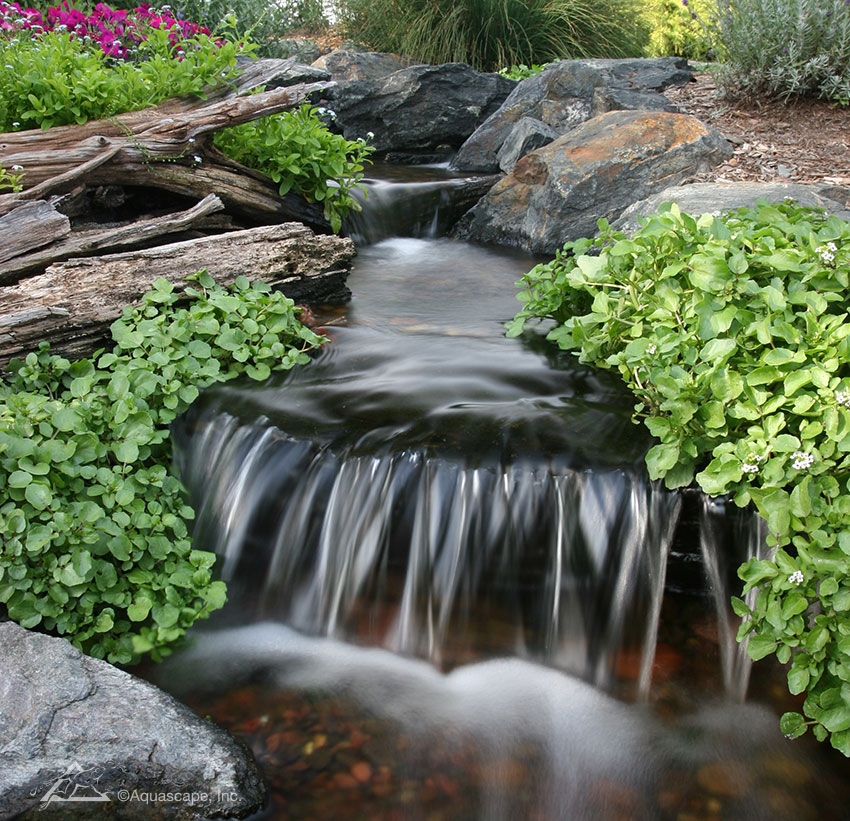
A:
<point x="570" y="92"/>
<point x="76" y="727"/>
<point x="598" y="169"/>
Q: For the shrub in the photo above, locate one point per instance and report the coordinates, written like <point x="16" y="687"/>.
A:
<point x="734" y="336"/>
<point x="679" y="28"/>
<point x="490" y="34"/>
<point x="784" y="48"/>
<point x="94" y="527"/>
<point x="521" y="72"/>
<point x="297" y="151"/>
<point x="264" y="23"/>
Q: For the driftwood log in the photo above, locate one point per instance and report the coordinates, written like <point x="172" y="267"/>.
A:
<point x="73" y="302"/>
<point x="60" y="278"/>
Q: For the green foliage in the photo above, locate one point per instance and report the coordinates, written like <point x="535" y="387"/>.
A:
<point x="9" y="182"/>
<point x="297" y="151"/>
<point x="679" y="29"/>
<point x="264" y="23"/>
<point x="734" y="336"/>
<point x="783" y="48"/>
<point x="489" y="34"/>
<point x="521" y="72"/>
<point x="56" y="80"/>
<point x="95" y="533"/>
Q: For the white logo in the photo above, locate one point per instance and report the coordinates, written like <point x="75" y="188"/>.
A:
<point x="75" y="784"/>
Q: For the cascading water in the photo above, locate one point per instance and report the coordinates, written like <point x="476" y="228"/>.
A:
<point x="429" y="496"/>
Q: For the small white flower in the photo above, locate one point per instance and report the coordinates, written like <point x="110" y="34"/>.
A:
<point x="15" y="124"/>
<point x="827" y="252"/>
<point x="191" y="140"/>
<point x="370" y="135"/>
<point x="8" y="66"/>
<point x="797" y="577"/>
<point x="755" y="457"/>
<point x="197" y="158"/>
<point x="749" y="468"/>
<point x="17" y="168"/>
<point x="802" y="460"/>
<point x="843" y="398"/>
<point x="651" y="348"/>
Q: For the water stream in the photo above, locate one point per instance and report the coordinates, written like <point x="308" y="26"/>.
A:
<point x="453" y="592"/>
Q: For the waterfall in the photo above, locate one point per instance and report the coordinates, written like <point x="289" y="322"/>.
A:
<point x="407" y="551"/>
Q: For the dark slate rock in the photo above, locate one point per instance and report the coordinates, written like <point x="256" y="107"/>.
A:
<point x="287" y="72"/>
<point x="347" y="65"/>
<point x="558" y="192"/>
<point x="527" y="135"/>
<point x="419" y="108"/>
<point x="302" y="49"/>
<point x="711" y="197"/>
<point x="570" y="92"/>
<point x="76" y="723"/>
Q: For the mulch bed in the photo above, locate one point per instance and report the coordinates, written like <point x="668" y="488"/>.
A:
<point x="804" y="141"/>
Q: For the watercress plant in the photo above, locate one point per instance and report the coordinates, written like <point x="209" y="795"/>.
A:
<point x="733" y="334"/>
<point x="93" y="526"/>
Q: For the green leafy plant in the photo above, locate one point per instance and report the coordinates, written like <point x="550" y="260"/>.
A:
<point x="94" y="528"/>
<point x="733" y="334"/>
<point x="9" y="182"/>
<point x="489" y="34"/>
<point x="299" y="153"/>
<point x="783" y="48"/>
<point x="57" y="80"/>
<point x="521" y="72"/>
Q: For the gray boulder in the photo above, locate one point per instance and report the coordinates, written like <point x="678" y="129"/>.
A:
<point x="570" y="92"/>
<point x="346" y="65"/>
<point x="74" y="726"/>
<point x="526" y="135"/>
<point x="419" y="108"/>
<point x="558" y="192"/>
<point x="712" y="197"/>
<point x="302" y="49"/>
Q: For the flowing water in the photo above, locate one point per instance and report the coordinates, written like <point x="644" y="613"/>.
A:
<point x="453" y="592"/>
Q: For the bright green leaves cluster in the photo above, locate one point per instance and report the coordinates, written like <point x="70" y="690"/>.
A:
<point x="94" y="528"/>
<point x="56" y="80"/>
<point x="298" y="152"/>
<point x="733" y="334"/>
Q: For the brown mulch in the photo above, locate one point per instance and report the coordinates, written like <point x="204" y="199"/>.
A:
<point x="805" y="141"/>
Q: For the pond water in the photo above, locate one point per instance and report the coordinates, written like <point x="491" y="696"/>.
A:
<point x="453" y="592"/>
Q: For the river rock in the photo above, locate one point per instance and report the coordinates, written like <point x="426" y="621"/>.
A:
<point x="419" y="109"/>
<point x="712" y="197"/>
<point x="71" y="725"/>
<point x="558" y="192"/>
<point x="570" y="92"/>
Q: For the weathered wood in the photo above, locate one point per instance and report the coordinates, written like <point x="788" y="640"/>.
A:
<point x="73" y="302"/>
<point x="81" y="243"/>
<point x="144" y="137"/>
<point x="31" y="226"/>
<point x="8" y="202"/>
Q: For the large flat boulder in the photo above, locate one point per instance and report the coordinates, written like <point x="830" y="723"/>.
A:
<point x="558" y="192"/>
<point x="80" y="739"/>
<point x="570" y="92"/>
<point x="717" y="197"/>
<point x="418" y="109"/>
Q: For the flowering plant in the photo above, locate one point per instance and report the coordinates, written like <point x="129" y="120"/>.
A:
<point x="118" y="32"/>
<point x="734" y="336"/>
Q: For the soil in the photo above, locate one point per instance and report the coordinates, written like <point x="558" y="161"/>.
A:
<point x="805" y="141"/>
